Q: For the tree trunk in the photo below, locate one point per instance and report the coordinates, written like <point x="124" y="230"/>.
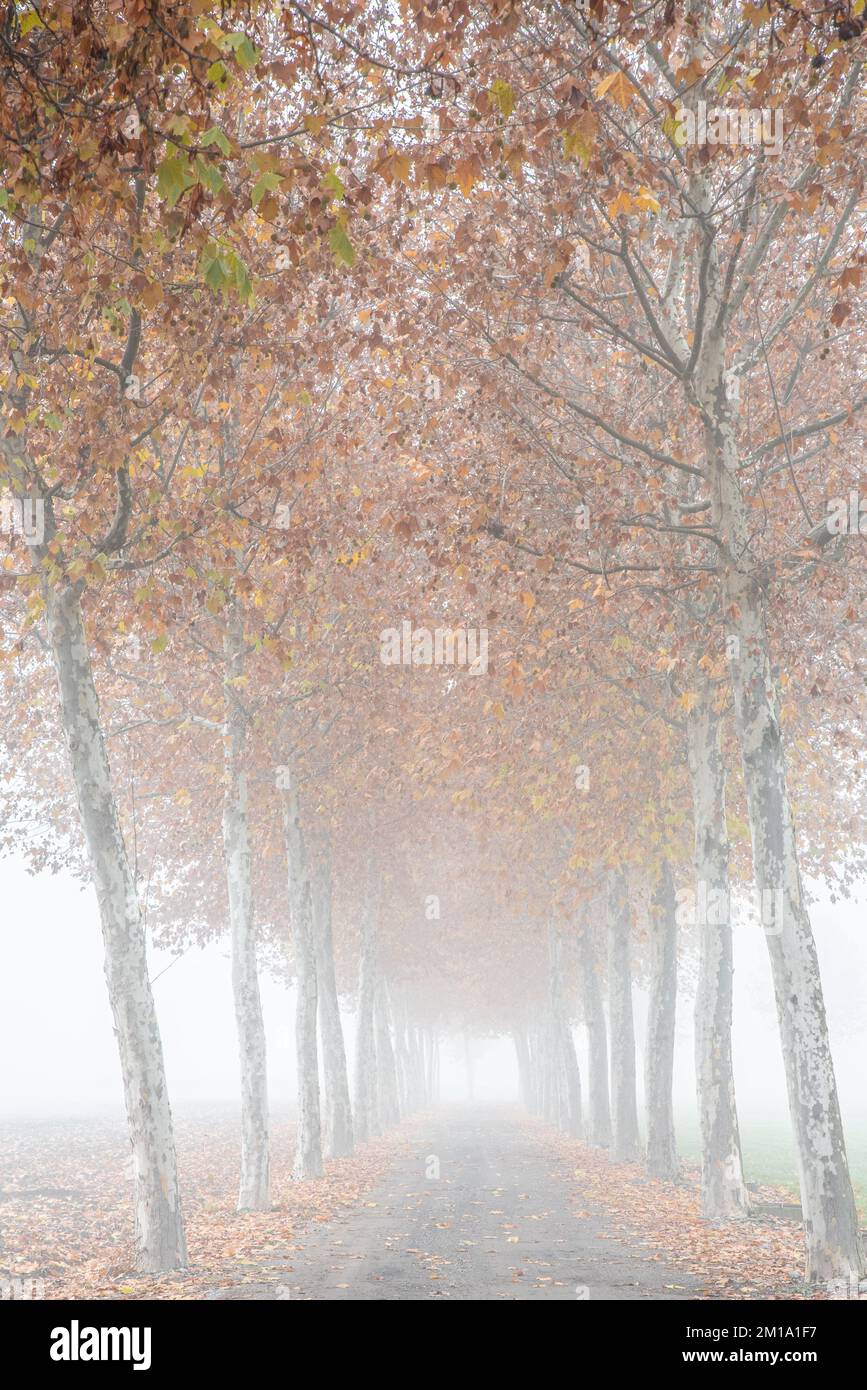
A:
<point x="402" y="1055"/>
<point x="159" y="1230"/>
<point x="409" y="1053"/>
<point x="537" y="1069"/>
<point x="522" y="1055"/>
<point x="366" y="1098"/>
<point x="337" y="1107"/>
<point x="255" y="1188"/>
<point x="416" y="1053"/>
<point x="389" y="1104"/>
<point x="625" y="1140"/>
<point x="565" y="1061"/>
<point x="432" y="1066"/>
<point x="308" y="1152"/>
<point x="827" y="1200"/>
<point x="723" y="1191"/>
<point x="597" y="1037"/>
<point x="552" y="1107"/>
<point x="574" y="1123"/>
<point x="661" y="1155"/>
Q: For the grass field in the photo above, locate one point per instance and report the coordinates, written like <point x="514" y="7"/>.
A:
<point x="769" y="1155"/>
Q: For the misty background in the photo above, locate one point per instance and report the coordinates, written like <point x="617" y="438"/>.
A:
<point x="61" y="1057"/>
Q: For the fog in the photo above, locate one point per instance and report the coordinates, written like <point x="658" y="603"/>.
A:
<point x="55" y="1020"/>
<point x="433" y="831"/>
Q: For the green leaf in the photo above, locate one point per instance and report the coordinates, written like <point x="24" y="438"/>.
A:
<point x="246" y="55"/>
<point x="222" y="271"/>
<point x="242" y="281"/>
<point x="218" y="73"/>
<point x="341" y="246"/>
<point x="160" y="643"/>
<point x="215" y="136"/>
<point x="214" y="272"/>
<point x="332" y="181"/>
<point x="209" y="175"/>
<point x="29" y="20"/>
<point x="173" y="178"/>
<point x="266" y="184"/>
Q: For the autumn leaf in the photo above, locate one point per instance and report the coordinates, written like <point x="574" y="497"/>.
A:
<point x="174" y="177"/>
<point x="620" y="87"/>
<point x="503" y="97"/>
<point x="342" y="247"/>
<point x="467" y="173"/>
<point x="644" y="199"/>
<point x="577" y="145"/>
<point x="621" y="204"/>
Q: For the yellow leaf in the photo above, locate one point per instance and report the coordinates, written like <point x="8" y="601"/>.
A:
<point x="502" y="94"/>
<point x="620" y="87"/>
<point x="646" y="200"/>
<point x="577" y="145"/>
<point x="622" y="203"/>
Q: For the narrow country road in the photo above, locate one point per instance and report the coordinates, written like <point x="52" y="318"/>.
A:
<point x="499" y="1222"/>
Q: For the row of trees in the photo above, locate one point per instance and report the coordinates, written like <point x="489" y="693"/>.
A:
<point x="318" y="325"/>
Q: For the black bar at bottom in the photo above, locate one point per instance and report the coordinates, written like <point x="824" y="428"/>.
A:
<point x="147" y="1338"/>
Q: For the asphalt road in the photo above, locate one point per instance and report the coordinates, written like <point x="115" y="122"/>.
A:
<point x="477" y="1210"/>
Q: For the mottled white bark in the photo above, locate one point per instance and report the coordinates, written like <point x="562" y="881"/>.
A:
<point x="723" y="1190"/>
<point x="159" y="1231"/>
<point x="624" y="1105"/>
<point x="367" y="1122"/>
<point x="827" y="1200"/>
<point x="255" y="1186"/>
<point x="661" y="1154"/>
<point x="597" y="1038"/>
<point x="828" y="1203"/>
<point x="308" y="1151"/>
<point x="337" y="1109"/>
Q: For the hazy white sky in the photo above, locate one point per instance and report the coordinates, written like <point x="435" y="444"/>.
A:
<point x="56" y="1036"/>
